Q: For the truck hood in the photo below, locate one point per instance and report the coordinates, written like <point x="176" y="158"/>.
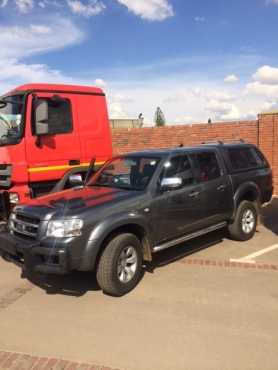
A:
<point x="74" y="201"/>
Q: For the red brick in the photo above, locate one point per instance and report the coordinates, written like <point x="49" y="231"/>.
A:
<point x="4" y="357"/>
<point x="10" y="361"/>
<point x="61" y="365"/>
<point x="72" y="366"/>
<point x="50" y="364"/>
<point x="39" y="364"/>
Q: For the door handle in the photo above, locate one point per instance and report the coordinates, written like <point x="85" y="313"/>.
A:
<point x="194" y="194"/>
<point x="221" y="187"/>
<point x="74" y="162"/>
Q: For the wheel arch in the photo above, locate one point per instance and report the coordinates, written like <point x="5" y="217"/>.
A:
<point x="103" y="233"/>
<point x="248" y="191"/>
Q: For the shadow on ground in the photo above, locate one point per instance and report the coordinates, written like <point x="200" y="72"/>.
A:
<point x="270" y="216"/>
<point x="79" y="283"/>
<point x="75" y="284"/>
<point x="189" y="248"/>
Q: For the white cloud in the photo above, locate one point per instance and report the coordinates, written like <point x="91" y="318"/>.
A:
<point x="258" y="88"/>
<point x="218" y="107"/>
<point x="220" y="95"/>
<point x="117" y="110"/>
<point x="89" y="9"/>
<point x="54" y="3"/>
<point x="269" y="106"/>
<point x="100" y="83"/>
<point x="233" y="114"/>
<point x="267" y="75"/>
<point x="199" y="19"/>
<point x="3" y="3"/>
<point x="86" y="8"/>
<point x="212" y="94"/>
<point x="183" y="119"/>
<point x="24" y="5"/>
<point x="153" y="10"/>
<point x="19" y="42"/>
<point x="40" y="29"/>
<point x="265" y="83"/>
<point x="231" y="78"/>
<point x="17" y="72"/>
<point x="24" y="41"/>
<point x="221" y="110"/>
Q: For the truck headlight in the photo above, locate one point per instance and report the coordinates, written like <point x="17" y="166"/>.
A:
<point x="64" y="228"/>
<point x="14" y="198"/>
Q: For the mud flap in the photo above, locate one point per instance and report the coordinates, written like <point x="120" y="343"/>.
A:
<point x="5" y="207"/>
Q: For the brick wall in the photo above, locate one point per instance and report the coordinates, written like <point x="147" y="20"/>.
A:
<point x="262" y="132"/>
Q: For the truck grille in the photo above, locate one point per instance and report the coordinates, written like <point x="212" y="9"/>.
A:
<point x="24" y="226"/>
<point x="5" y="175"/>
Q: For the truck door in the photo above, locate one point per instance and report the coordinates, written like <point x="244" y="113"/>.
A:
<point x="217" y="187"/>
<point x="178" y="212"/>
<point x="49" y="156"/>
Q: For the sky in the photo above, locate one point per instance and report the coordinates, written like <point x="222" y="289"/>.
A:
<point x="195" y="59"/>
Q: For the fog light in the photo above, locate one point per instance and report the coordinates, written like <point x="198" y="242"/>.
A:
<point x="14" y="198"/>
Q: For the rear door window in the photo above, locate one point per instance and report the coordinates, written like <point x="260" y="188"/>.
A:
<point x="245" y="158"/>
<point x="208" y="166"/>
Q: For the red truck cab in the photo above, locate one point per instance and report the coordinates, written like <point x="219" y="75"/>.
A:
<point x="45" y="130"/>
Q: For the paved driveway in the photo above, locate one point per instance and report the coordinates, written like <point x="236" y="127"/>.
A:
<point x="209" y="304"/>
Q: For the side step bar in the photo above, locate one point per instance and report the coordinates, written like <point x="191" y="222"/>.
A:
<point x="189" y="236"/>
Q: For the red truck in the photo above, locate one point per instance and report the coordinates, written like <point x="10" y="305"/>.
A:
<point x="45" y="130"/>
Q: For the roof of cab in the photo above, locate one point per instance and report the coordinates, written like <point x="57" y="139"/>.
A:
<point x="59" y="88"/>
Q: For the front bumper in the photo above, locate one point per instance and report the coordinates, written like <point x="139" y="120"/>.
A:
<point x="33" y="256"/>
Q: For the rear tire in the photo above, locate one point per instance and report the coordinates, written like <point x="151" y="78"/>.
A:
<point x="245" y="223"/>
<point x="120" y="266"/>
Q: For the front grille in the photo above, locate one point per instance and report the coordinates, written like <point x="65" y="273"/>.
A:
<point x="24" y="226"/>
<point x="5" y="175"/>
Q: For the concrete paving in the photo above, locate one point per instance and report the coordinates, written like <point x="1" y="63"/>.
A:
<point x="179" y="317"/>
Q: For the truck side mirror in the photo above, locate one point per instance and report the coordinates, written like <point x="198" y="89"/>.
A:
<point x="41" y="117"/>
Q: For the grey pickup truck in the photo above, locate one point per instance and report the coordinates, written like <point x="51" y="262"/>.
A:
<point x="136" y="205"/>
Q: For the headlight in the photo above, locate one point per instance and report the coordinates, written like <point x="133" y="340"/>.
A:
<point x="64" y="228"/>
<point x="14" y="198"/>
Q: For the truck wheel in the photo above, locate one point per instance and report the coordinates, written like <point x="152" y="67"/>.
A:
<point x="120" y="266"/>
<point x="245" y="223"/>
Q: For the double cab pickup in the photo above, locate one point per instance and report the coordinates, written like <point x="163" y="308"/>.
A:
<point x="139" y="204"/>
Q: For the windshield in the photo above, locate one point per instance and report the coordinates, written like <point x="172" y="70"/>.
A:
<point x="132" y="173"/>
<point x="11" y="110"/>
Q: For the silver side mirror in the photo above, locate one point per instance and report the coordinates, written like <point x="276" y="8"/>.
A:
<point x="171" y="183"/>
<point x="76" y="180"/>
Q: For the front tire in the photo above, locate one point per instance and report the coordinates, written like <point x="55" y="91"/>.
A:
<point x="245" y="223"/>
<point x="120" y="266"/>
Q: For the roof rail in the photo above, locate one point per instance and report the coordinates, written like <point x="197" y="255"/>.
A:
<point x="222" y="142"/>
<point x="213" y="142"/>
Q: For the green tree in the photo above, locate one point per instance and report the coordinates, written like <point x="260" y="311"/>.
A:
<point x="159" y="118"/>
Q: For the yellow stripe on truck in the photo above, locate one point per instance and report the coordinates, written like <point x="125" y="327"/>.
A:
<point x="60" y="168"/>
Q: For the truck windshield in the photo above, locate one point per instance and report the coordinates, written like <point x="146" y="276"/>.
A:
<point x="132" y="173"/>
<point x="11" y="110"/>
